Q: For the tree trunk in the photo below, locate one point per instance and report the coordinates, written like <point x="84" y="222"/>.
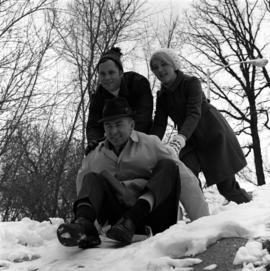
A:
<point x="256" y="143"/>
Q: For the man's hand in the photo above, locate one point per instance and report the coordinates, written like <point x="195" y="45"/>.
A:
<point x="127" y="198"/>
<point x="123" y="194"/>
<point x="91" y="146"/>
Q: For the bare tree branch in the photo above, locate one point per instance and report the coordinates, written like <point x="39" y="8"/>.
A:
<point x="223" y="33"/>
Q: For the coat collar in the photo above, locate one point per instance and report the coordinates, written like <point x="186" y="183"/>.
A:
<point x="105" y="147"/>
<point x="174" y="85"/>
<point x="133" y="137"/>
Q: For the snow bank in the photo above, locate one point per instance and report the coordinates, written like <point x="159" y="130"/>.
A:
<point x="30" y="245"/>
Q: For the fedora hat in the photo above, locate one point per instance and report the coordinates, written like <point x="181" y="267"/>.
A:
<point x="116" y="108"/>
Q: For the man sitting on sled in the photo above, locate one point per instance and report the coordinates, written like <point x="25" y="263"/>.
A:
<point x="129" y="181"/>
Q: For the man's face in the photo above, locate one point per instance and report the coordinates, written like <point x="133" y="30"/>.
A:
<point x="110" y="76"/>
<point x="118" y="130"/>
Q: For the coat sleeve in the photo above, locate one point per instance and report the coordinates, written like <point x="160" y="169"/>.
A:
<point x="191" y="195"/>
<point x="94" y="130"/>
<point x="194" y="96"/>
<point x="85" y="168"/>
<point x="158" y="148"/>
<point x="143" y="105"/>
<point x="160" y="118"/>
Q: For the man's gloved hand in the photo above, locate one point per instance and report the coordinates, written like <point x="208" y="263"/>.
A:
<point x="91" y="146"/>
<point x="177" y="143"/>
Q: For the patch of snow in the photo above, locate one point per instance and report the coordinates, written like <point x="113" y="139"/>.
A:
<point x="210" y="267"/>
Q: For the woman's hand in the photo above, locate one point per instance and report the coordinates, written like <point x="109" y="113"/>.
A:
<point x="178" y="142"/>
<point x="173" y="152"/>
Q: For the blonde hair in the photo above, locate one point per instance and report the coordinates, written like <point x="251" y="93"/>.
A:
<point x="168" y="55"/>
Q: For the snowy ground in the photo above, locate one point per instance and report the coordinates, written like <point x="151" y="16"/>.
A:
<point x="30" y="246"/>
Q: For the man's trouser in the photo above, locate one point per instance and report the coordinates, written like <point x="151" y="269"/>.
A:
<point x="164" y="184"/>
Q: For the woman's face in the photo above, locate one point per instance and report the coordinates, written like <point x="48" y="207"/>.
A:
<point x="110" y="76"/>
<point x="163" y="71"/>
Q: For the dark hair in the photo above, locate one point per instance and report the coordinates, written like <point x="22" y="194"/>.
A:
<point x="113" y="54"/>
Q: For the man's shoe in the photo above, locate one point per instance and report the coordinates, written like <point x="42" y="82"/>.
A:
<point x="122" y="231"/>
<point x="81" y="232"/>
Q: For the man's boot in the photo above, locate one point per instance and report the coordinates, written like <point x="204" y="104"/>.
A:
<point x="124" y="229"/>
<point x="81" y="232"/>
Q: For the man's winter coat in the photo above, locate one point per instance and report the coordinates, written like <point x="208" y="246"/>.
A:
<point x="136" y="89"/>
<point x="136" y="162"/>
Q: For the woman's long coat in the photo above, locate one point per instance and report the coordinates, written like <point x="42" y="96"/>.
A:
<point x="207" y="132"/>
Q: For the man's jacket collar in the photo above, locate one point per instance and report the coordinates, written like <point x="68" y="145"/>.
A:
<point x="133" y="137"/>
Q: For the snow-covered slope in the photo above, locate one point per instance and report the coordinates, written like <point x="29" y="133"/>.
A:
<point x="30" y="245"/>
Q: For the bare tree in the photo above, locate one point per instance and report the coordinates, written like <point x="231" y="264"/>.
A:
<point x="227" y="32"/>
<point x="267" y="4"/>
<point x="24" y="44"/>
<point x="29" y="174"/>
<point x="35" y="100"/>
<point x="86" y="29"/>
<point x="160" y="29"/>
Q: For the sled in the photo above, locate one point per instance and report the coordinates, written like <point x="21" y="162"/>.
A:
<point x="109" y="243"/>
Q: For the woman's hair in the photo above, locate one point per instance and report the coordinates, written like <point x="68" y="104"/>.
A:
<point x="113" y="54"/>
<point x="168" y="56"/>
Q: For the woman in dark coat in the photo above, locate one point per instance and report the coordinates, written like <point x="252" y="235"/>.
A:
<point x="115" y="82"/>
<point x="205" y="140"/>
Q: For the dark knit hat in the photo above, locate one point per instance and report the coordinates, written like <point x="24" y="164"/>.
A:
<point x="115" y="108"/>
<point x="113" y="54"/>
